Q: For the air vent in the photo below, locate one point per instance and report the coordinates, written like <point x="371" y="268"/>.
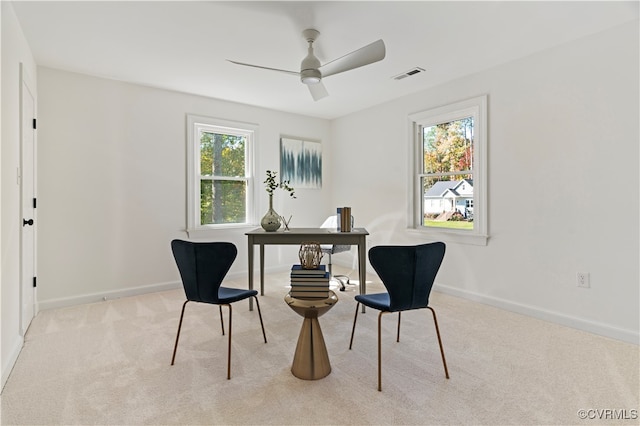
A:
<point x="412" y="71"/>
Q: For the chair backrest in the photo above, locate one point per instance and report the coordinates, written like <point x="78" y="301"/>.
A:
<point x="407" y="272"/>
<point x="202" y="267"/>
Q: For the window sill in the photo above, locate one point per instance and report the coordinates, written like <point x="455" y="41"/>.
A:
<point x="207" y="232"/>
<point x="451" y="236"/>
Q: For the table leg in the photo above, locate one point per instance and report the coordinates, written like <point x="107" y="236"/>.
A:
<point x="362" y="267"/>
<point x="250" y="270"/>
<point x="261" y="269"/>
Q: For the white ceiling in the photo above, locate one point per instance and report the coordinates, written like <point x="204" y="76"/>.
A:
<point x="182" y="45"/>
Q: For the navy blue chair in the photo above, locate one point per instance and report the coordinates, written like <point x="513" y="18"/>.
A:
<point x="408" y="273"/>
<point x="202" y="268"/>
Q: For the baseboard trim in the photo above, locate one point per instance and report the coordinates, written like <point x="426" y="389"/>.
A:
<point x="601" y="329"/>
<point x="11" y="362"/>
<point x="106" y="295"/>
<point x="64" y="302"/>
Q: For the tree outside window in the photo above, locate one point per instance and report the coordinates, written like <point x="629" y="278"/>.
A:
<point x="223" y="188"/>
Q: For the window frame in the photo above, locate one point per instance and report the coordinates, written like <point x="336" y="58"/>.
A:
<point x="477" y="108"/>
<point x="196" y="124"/>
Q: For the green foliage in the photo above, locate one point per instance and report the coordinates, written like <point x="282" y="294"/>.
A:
<point x="271" y="185"/>
<point x="456" y="217"/>
<point x="222" y="155"/>
<point x="448" y="224"/>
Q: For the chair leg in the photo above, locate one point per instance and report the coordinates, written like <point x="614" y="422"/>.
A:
<point x="221" y="320"/>
<point x="260" y="315"/>
<point x="229" y="350"/>
<point x="380" y="349"/>
<point x="398" y="337"/>
<point x="354" y="325"/>
<point x="444" y="361"/>
<point x="175" y="347"/>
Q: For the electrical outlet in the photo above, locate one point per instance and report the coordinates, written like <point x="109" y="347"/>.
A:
<point x="583" y="279"/>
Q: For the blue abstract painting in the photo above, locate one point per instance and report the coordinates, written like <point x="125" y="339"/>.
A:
<point x="301" y="163"/>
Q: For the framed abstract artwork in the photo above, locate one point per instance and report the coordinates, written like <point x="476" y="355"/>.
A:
<point x="301" y="162"/>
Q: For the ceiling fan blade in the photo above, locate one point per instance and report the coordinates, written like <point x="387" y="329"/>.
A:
<point x="366" y="55"/>
<point x="318" y="91"/>
<point x="296" y="73"/>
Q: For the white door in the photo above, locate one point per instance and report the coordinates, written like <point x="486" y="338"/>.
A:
<point x="28" y="194"/>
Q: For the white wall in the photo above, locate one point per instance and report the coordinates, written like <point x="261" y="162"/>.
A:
<point x="14" y="51"/>
<point x="563" y="137"/>
<point x="2" y="366"/>
<point x="112" y="184"/>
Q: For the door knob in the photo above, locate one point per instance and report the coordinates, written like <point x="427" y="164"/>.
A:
<point x="27" y="222"/>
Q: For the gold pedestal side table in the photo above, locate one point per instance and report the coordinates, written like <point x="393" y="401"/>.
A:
<point x="311" y="360"/>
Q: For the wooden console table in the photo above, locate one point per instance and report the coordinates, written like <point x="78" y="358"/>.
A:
<point x="295" y="236"/>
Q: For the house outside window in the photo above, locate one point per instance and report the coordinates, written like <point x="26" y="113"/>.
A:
<point x="448" y="182"/>
<point x="449" y="197"/>
<point x="220" y="171"/>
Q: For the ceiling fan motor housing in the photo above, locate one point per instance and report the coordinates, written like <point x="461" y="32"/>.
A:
<point x="309" y="72"/>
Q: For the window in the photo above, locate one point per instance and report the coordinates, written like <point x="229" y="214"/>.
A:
<point x="220" y="170"/>
<point x="449" y="179"/>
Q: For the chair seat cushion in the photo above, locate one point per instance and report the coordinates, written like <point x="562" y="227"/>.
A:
<point x="230" y="295"/>
<point x="379" y="301"/>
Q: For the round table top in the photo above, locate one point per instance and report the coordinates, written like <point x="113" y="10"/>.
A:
<point x="304" y="306"/>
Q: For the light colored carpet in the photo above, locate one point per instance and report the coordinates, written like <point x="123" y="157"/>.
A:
<point x="108" y="363"/>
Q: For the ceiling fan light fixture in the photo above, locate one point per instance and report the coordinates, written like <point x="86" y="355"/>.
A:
<point x="310" y="76"/>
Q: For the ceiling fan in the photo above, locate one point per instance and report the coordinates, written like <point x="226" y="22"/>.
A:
<point x="312" y="72"/>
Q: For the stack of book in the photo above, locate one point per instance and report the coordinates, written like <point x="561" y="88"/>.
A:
<point x="344" y="219"/>
<point x="309" y="283"/>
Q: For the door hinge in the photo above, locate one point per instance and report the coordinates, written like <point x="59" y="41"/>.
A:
<point x="34" y="203"/>
<point x="34" y="123"/>
<point x="34" y="282"/>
